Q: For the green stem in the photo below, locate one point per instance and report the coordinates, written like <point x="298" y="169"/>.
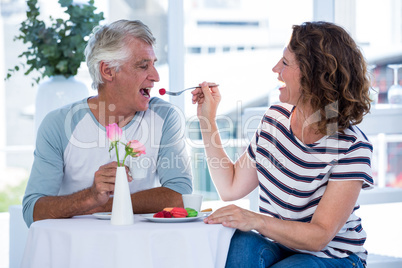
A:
<point x="124" y="159"/>
<point x="117" y="155"/>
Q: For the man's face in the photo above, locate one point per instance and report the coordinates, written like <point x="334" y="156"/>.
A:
<point x="135" y="78"/>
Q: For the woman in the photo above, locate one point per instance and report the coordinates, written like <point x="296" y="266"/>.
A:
<point x="308" y="158"/>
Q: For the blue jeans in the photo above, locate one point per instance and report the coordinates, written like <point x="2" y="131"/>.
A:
<point x="250" y="249"/>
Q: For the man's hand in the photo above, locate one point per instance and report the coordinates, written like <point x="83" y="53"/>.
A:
<point x="103" y="185"/>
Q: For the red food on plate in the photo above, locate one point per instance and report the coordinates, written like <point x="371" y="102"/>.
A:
<point x="163" y="214"/>
<point x="166" y="214"/>
<point x="159" y="214"/>
<point x="179" y="212"/>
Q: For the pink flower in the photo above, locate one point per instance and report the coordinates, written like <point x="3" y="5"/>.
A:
<point x="135" y="148"/>
<point x="113" y="132"/>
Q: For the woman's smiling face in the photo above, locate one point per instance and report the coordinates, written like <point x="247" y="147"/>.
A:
<point x="289" y="73"/>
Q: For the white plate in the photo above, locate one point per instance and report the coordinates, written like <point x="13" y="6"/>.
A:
<point x="103" y="215"/>
<point x="171" y="220"/>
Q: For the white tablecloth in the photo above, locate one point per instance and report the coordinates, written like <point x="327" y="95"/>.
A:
<point x="85" y="241"/>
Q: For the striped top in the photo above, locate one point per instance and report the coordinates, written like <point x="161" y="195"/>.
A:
<point x="293" y="176"/>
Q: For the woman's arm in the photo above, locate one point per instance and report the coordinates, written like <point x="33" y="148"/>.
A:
<point x="232" y="180"/>
<point x="331" y="214"/>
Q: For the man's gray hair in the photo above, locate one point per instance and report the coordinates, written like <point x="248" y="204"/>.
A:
<point x="108" y="43"/>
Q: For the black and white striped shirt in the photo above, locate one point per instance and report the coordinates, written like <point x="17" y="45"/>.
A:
<point x="293" y="176"/>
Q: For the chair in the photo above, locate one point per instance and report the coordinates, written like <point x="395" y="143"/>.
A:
<point x="18" y="235"/>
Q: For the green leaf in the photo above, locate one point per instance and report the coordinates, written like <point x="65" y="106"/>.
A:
<point x="58" y="48"/>
<point x="62" y="66"/>
<point x="65" y="3"/>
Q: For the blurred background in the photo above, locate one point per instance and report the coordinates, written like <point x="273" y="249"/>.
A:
<point x="234" y="43"/>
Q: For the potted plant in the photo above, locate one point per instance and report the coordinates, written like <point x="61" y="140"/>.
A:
<point x="56" y="51"/>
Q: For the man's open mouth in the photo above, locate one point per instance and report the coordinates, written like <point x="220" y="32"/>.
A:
<point x="145" y="92"/>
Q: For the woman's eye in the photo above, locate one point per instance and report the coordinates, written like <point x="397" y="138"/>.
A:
<point x="284" y="63"/>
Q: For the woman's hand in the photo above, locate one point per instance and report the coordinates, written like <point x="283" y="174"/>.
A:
<point x="208" y="99"/>
<point x="235" y="217"/>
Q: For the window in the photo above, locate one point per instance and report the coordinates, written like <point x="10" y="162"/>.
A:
<point x="234" y="43"/>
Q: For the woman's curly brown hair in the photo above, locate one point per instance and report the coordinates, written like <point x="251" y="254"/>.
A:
<point x="334" y="77"/>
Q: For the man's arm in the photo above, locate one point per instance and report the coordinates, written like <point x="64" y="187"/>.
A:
<point x="147" y="201"/>
<point x="97" y="199"/>
<point x="161" y="197"/>
<point x="79" y="203"/>
<point x="56" y="207"/>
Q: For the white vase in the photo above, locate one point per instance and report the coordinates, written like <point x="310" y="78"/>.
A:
<point x="122" y="210"/>
<point x="55" y="93"/>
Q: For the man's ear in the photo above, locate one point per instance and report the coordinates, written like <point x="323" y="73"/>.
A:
<point x="106" y="72"/>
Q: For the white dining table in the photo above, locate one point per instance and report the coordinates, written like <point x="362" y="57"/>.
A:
<point x="85" y="241"/>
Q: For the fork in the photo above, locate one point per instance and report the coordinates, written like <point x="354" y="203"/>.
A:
<point x="163" y="91"/>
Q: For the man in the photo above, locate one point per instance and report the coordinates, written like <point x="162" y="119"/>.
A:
<point x="73" y="173"/>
